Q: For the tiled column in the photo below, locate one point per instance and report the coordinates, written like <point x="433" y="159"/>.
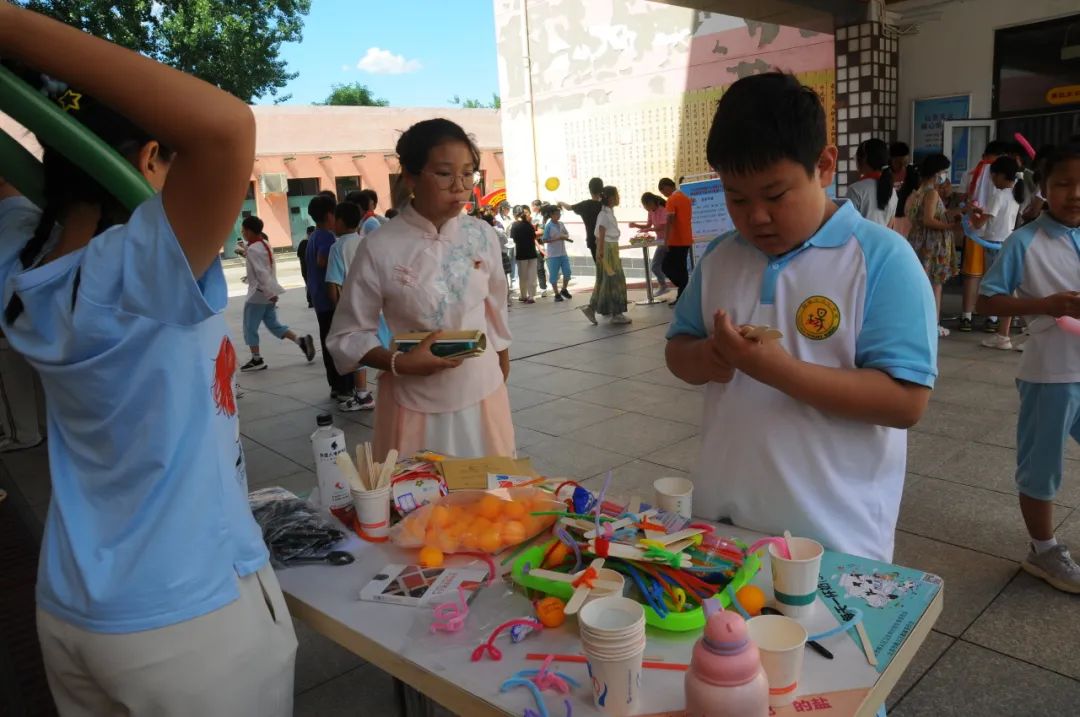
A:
<point x="866" y="81"/>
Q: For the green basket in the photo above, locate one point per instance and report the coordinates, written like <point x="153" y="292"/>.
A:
<point x="675" y="621"/>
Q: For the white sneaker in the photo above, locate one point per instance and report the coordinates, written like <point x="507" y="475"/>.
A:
<point x="997" y="341"/>
<point x="942" y="331"/>
<point x="1055" y="566"/>
<point x="621" y="320"/>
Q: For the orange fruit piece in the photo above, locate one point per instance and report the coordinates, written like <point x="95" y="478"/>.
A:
<point x="515" y="510"/>
<point x="440" y="517"/>
<point x="490" y="541"/>
<point x="431" y="557"/>
<point x="513" y="532"/>
<point x="489" y="507"/>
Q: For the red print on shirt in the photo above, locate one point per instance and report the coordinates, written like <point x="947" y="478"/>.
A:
<point x="224" y="370"/>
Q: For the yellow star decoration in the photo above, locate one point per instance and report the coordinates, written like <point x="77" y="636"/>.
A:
<point x="70" y="101"/>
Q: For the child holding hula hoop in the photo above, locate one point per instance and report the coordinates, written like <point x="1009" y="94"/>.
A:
<point x="154" y="592"/>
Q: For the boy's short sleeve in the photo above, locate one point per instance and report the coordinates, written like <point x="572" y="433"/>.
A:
<point x="140" y="268"/>
<point x="335" y="266"/>
<point x="899" y="329"/>
<point x="370" y="225"/>
<point x="1005" y="274"/>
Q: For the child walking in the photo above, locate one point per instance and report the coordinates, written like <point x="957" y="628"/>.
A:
<point x="819" y="446"/>
<point x="154" y="594"/>
<point x="609" y="296"/>
<point x="321" y="209"/>
<point x="347" y="221"/>
<point x="1036" y="276"/>
<point x="523" y="232"/>
<point x="263" y="292"/>
<point x="555" y="238"/>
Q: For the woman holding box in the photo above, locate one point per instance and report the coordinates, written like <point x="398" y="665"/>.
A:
<point x="431" y="269"/>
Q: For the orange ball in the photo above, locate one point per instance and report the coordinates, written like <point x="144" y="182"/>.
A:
<point x="489" y="507"/>
<point x="431" y="557"/>
<point x="513" y="532"/>
<point x="551" y="612"/>
<point x="490" y="541"/>
<point x="752" y="599"/>
<point x="440" y="517"/>
<point x="557" y="555"/>
<point x="514" y="510"/>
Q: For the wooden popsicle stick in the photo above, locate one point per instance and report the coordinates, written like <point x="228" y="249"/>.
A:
<point x="866" y="646"/>
<point x="348" y="469"/>
<point x="678" y="537"/>
<point x="577" y="524"/>
<point x="569" y="578"/>
<point x="388" y="467"/>
<point x="627" y="552"/>
<point x="361" y="466"/>
<point x="582" y="591"/>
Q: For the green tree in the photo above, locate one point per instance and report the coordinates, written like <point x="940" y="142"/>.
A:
<point x="354" y="94"/>
<point x="473" y="104"/>
<point x="234" y="45"/>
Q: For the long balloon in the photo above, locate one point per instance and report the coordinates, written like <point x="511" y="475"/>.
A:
<point x="56" y="129"/>
<point x="1025" y="144"/>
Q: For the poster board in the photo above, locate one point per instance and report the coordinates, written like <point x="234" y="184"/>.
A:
<point x="928" y="117"/>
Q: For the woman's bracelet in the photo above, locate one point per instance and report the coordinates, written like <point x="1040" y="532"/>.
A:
<point x="393" y="363"/>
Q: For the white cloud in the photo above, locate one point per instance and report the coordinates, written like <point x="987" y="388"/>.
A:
<point x="383" y="62"/>
<point x="345" y="68"/>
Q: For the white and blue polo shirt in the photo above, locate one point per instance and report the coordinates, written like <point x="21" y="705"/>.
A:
<point x="853" y="296"/>
<point x="1037" y="260"/>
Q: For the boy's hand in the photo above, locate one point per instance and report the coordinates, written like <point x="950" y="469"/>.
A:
<point x="1066" y="303"/>
<point x="719" y="370"/>
<point x="739" y="352"/>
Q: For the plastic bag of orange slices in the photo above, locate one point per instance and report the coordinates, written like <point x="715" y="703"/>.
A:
<point x="484" y="520"/>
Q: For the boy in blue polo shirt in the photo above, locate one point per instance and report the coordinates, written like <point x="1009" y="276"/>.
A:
<point x="805" y="432"/>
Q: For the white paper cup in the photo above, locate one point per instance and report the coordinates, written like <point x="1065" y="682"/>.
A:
<point x="616" y="683"/>
<point x="782" y="642"/>
<point x="795" y="581"/>
<point x="675" y="495"/>
<point x="373" y="513"/>
<point x="610" y="576"/>
<point x="612" y="617"/>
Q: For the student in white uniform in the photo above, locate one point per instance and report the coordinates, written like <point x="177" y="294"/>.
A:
<point x="1036" y="275"/>
<point x="873" y="195"/>
<point x="805" y="433"/>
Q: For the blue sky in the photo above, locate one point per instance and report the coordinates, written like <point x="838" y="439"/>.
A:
<point x="414" y="52"/>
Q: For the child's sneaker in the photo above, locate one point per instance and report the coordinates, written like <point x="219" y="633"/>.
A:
<point x="1055" y="566"/>
<point x="942" y="332"/>
<point x="621" y="320"/>
<point x="307" y="345"/>
<point x="991" y="326"/>
<point x="590" y="314"/>
<point x="255" y="364"/>
<point x="565" y="294"/>
<point x="558" y="297"/>
<point x="997" y="341"/>
<point x="965" y="325"/>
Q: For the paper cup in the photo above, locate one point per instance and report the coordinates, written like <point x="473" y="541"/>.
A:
<point x="616" y="683"/>
<point x="610" y="576"/>
<point x="795" y="581"/>
<point x="781" y="642"/>
<point x="674" y="495"/>
<point x="373" y="513"/>
<point x="613" y="616"/>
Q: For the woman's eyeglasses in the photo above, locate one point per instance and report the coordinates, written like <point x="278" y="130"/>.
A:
<point x="447" y="180"/>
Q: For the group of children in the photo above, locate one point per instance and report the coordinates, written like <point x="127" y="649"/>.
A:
<point x="539" y="241"/>
<point x="154" y="582"/>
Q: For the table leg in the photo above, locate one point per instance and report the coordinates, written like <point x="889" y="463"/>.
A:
<point x="648" y="281"/>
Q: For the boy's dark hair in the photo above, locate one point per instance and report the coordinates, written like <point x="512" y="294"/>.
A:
<point x="666" y="182"/>
<point x="391" y="213"/>
<point x="253" y="224"/>
<point x="65" y="184"/>
<point x="373" y="196"/>
<point x="536" y="203"/>
<point x="349" y="214"/>
<point x="1005" y="165"/>
<point x="596" y="186"/>
<point x="360" y="198"/>
<point x="327" y="193"/>
<point x="932" y="164"/>
<point x="416" y="143"/>
<point x="310" y="229"/>
<point x="899" y="149"/>
<point x="764" y="119"/>
<point x="996" y="146"/>
<point x="875" y="154"/>
<point x="320" y="208"/>
<point x="609" y="192"/>
<point x="547" y="210"/>
<point x="1059" y="155"/>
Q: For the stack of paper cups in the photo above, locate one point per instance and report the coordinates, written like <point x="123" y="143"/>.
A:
<point x="613" y="636"/>
<point x="781" y="642"/>
<point x="373" y="513"/>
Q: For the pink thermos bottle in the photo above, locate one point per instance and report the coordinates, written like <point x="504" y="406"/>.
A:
<point x="725" y="678"/>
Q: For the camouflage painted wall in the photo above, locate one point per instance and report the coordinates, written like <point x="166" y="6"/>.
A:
<point x="625" y="89"/>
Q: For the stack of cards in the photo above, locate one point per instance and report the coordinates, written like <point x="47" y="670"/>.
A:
<point x="451" y="344"/>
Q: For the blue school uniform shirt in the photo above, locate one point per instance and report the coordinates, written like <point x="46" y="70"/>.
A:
<point x="319" y="244"/>
<point x="149" y="523"/>
<point x="852" y="296"/>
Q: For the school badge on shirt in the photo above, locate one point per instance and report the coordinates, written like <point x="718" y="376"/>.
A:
<point x="817" y="318"/>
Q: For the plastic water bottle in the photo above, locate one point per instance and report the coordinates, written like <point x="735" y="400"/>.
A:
<point x="725" y="678"/>
<point x="327" y="442"/>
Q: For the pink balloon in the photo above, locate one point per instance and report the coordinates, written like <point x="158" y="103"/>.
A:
<point x="1068" y="323"/>
<point x="1025" y="144"/>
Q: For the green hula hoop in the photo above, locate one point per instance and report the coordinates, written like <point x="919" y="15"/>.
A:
<point x="55" y="128"/>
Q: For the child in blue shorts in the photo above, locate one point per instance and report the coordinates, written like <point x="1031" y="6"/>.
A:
<point x="805" y="432"/>
<point x="1037" y="274"/>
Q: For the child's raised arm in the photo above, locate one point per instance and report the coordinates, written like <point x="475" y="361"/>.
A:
<point x="212" y="132"/>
